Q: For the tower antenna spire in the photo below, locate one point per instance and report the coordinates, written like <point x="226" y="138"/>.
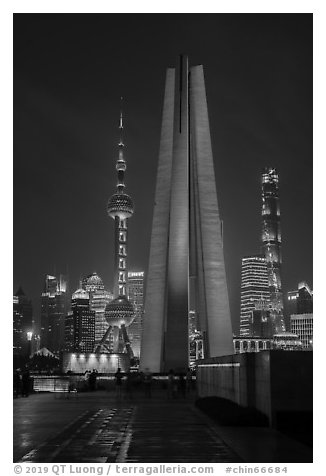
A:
<point x="119" y="312"/>
<point x="121" y="123"/>
<point x="121" y="163"/>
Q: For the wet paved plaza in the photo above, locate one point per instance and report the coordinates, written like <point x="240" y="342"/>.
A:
<point x="97" y="428"/>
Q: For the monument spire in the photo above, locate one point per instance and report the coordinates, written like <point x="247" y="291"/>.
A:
<point x="186" y="262"/>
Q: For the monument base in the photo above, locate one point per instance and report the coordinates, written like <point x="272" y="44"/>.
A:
<point x="104" y="363"/>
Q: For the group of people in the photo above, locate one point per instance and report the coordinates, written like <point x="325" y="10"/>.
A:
<point x="177" y="385"/>
<point x="21" y="382"/>
<point x="130" y="381"/>
<point x="90" y="379"/>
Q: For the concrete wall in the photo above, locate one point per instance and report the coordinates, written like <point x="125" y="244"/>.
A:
<point x="270" y="381"/>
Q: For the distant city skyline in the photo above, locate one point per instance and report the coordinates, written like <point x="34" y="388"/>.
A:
<point x="259" y="86"/>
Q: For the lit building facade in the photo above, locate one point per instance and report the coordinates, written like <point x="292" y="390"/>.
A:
<point x="80" y="324"/>
<point x="271" y="244"/>
<point x="53" y="311"/>
<point x="251" y="344"/>
<point x="285" y="341"/>
<point x="136" y="297"/>
<point x="22" y="322"/>
<point x="186" y="240"/>
<point x="302" y="325"/>
<point x="254" y="290"/>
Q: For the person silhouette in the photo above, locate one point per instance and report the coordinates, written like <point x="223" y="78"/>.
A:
<point x="118" y="382"/>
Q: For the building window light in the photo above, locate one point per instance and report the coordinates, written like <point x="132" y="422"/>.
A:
<point x="122" y="223"/>
<point x="122" y="250"/>
<point x="122" y="236"/>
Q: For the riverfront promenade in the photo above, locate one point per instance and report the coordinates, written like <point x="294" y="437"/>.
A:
<point x="98" y="427"/>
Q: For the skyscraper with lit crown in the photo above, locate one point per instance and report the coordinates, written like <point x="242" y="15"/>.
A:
<point x="136" y="297"/>
<point x="80" y="324"/>
<point x="271" y="244"/>
<point x="53" y="312"/>
<point x="98" y="299"/>
<point x="119" y="313"/>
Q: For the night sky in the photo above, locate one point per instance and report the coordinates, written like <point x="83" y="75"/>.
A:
<point x="69" y="73"/>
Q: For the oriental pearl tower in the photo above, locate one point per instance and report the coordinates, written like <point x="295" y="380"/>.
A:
<point x="119" y="313"/>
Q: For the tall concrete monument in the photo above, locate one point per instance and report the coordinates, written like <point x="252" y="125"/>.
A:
<point x="186" y="264"/>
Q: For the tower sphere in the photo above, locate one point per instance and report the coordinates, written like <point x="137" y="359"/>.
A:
<point x="119" y="311"/>
<point x="120" y="204"/>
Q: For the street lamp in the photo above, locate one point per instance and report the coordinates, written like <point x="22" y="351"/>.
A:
<point x="29" y="335"/>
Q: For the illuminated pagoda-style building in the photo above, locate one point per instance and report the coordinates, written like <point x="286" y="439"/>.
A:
<point x="99" y="297"/>
<point x="119" y="313"/>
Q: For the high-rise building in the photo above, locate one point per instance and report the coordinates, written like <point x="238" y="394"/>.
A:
<point x="80" y="324"/>
<point x="22" y="322"/>
<point x="254" y="291"/>
<point x="119" y="313"/>
<point x="53" y="312"/>
<point x="302" y="326"/>
<point x="186" y="243"/>
<point x="136" y="297"/>
<point x="300" y="301"/>
<point x="196" y="350"/>
<point x="98" y="299"/>
<point x="271" y="244"/>
<point x="261" y="325"/>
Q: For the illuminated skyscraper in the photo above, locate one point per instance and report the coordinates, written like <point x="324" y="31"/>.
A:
<point x="186" y="243"/>
<point x="195" y="339"/>
<point x="22" y="321"/>
<point x="271" y="244"/>
<point x="136" y="297"/>
<point x="254" y="289"/>
<point x="53" y="312"/>
<point x="98" y="299"/>
<point x="119" y="312"/>
<point x="80" y="324"/>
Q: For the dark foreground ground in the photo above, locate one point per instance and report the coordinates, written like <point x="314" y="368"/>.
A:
<point x="98" y="427"/>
